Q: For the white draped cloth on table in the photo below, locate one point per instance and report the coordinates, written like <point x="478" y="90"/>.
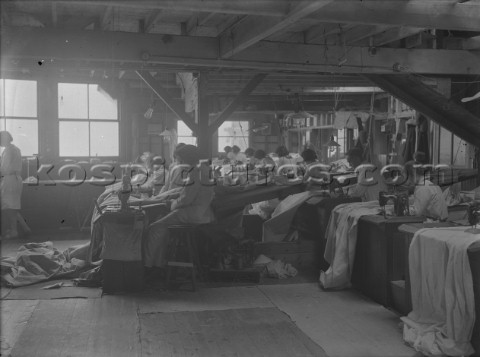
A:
<point x="443" y="315"/>
<point x="341" y="238"/>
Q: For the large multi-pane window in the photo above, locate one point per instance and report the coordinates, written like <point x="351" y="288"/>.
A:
<point x="18" y="113"/>
<point x="184" y="133"/>
<point x="452" y="149"/>
<point x="233" y="133"/>
<point x="88" y="120"/>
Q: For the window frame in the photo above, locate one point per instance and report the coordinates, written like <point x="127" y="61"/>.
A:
<point x="4" y="117"/>
<point x="87" y="120"/>
<point x="246" y="135"/>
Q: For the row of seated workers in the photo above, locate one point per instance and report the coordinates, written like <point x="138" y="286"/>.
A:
<point x="186" y="196"/>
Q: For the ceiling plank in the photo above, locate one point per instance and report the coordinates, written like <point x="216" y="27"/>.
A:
<point x="256" y="28"/>
<point x="198" y="20"/>
<point x="395" y="34"/>
<point x="415" y="13"/>
<point x="357" y="34"/>
<point x="152" y="19"/>
<point x="229" y="109"/>
<point x="318" y="33"/>
<point x="54" y="14"/>
<point x="166" y="97"/>
<point x="184" y="52"/>
<point x="106" y="18"/>
<point x="273" y="8"/>
<point x="472" y="43"/>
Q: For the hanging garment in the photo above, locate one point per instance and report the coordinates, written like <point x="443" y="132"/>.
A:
<point x="423" y="137"/>
<point x="409" y="148"/>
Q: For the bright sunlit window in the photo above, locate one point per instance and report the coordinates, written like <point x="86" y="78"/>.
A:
<point x="88" y="120"/>
<point x="185" y="134"/>
<point x="233" y="133"/>
<point x="18" y="113"/>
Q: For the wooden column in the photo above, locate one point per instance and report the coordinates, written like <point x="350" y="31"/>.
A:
<point x="204" y="134"/>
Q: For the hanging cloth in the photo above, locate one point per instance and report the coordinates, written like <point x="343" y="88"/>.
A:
<point x="409" y="147"/>
<point x="423" y="137"/>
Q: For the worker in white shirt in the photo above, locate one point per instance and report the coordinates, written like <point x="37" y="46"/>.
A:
<point x="369" y="181"/>
<point x="428" y="199"/>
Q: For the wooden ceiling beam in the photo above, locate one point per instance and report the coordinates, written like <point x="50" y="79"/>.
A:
<point x="244" y="93"/>
<point x="166" y="97"/>
<point x="357" y="34"/>
<point x="414" y="13"/>
<point x="253" y="29"/>
<point x="198" y="20"/>
<point x="395" y="34"/>
<point x="190" y="53"/>
<point x="152" y="19"/>
<point x="273" y="8"/>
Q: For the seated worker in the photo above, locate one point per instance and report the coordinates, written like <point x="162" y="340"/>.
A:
<point x="156" y="179"/>
<point x="284" y="157"/>
<point x="428" y="199"/>
<point x="249" y="159"/>
<point x="262" y="159"/>
<point x="369" y="180"/>
<point x="228" y="155"/>
<point x="237" y="155"/>
<point x="312" y="170"/>
<point x="191" y="206"/>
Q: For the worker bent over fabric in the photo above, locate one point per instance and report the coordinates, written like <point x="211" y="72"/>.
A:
<point x="191" y="206"/>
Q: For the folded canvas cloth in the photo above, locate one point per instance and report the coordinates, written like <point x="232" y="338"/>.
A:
<point x="341" y="237"/>
<point x="443" y="315"/>
<point x="36" y="262"/>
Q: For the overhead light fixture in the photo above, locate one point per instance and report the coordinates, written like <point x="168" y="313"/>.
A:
<point x="149" y="113"/>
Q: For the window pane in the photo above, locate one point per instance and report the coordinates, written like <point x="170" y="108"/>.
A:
<point x="233" y="128"/>
<point x="100" y="104"/>
<point x="20" y="98"/>
<point x="73" y="138"/>
<point x="459" y="151"/>
<point x="183" y="129"/>
<point x="103" y="139"/>
<point x="25" y="135"/>
<point x="2" y="124"/>
<point x="445" y="147"/>
<point x="72" y="101"/>
<point x="2" y="98"/>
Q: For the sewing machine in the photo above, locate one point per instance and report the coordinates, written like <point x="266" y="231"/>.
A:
<point x="474" y="217"/>
<point x="400" y="203"/>
<point x="124" y="192"/>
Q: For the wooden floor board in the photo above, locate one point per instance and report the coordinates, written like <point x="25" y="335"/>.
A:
<point x="81" y="327"/>
<point x="237" y="332"/>
<point x="344" y="323"/>
<point x="204" y="299"/>
<point x="14" y="319"/>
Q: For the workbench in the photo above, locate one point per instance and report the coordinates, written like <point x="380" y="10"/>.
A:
<point x="379" y="256"/>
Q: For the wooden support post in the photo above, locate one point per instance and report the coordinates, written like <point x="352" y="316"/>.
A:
<point x="166" y="97"/>
<point x="204" y="135"/>
<point x="254" y="82"/>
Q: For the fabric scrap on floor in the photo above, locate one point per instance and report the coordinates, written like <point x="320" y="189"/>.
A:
<point x="36" y="262"/>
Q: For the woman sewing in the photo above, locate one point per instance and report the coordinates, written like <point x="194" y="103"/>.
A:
<point x="191" y="206"/>
<point x="10" y="185"/>
<point x="428" y="199"/>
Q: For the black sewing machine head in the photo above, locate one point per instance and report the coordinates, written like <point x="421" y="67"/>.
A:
<point x="474" y="213"/>
<point x="124" y="192"/>
<point x="400" y="202"/>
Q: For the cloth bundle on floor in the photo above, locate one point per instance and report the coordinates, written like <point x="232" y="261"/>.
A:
<point x="36" y="262"/>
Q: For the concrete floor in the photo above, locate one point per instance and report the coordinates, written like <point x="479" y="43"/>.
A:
<point x="343" y="323"/>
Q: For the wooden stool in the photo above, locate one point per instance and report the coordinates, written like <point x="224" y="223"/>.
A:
<point x="182" y="235"/>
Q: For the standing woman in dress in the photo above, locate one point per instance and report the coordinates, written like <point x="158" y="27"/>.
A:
<point x="10" y="184"/>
